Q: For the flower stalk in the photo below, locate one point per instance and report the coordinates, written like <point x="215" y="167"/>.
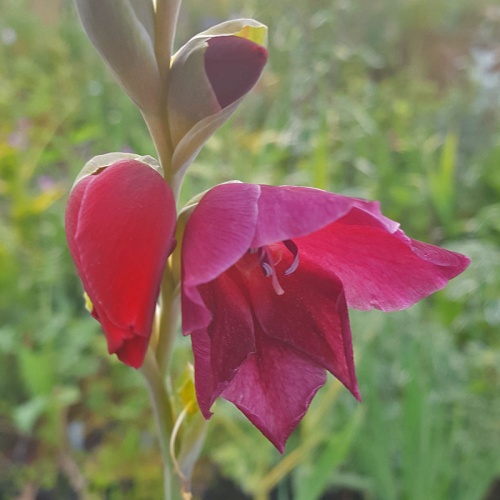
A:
<point x="164" y="418"/>
<point x="169" y="315"/>
<point x="167" y="12"/>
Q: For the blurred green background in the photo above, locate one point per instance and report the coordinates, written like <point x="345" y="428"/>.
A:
<point x="395" y="100"/>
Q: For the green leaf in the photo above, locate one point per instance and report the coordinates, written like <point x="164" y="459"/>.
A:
<point x="37" y="370"/>
<point x="441" y="180"/>
<point x="26" y="415"/>
<point x="313" y="478"/>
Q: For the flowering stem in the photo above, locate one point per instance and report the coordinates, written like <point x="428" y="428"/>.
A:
<point x="155" y="370"/>
<point x="167" y="12"/>
<point x="162" y="410"/>
<point x="157" y="363"/>
<point x="169" y="301"/>
<point x="159" y="132"/>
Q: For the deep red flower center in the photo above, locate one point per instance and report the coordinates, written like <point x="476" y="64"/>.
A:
<point x="269" y="258"/>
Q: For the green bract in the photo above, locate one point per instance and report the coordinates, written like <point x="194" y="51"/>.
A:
<point x="123" y="34"/>
<point x="102" y="161"/>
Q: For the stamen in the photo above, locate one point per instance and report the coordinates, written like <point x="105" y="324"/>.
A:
<point x="267" y="268"/>
<point x="262" y="254"/>
<point x="295" y="252"/>
<point x="267" y="264"/>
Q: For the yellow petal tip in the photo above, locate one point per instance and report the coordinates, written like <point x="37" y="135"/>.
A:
<point x="257" y="35"/>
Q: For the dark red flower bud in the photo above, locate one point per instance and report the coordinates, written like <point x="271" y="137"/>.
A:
<point x="120" y="223"/>
<point x="233" y="65"/>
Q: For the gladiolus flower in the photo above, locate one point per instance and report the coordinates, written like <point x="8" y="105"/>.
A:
<point x="268" y="274"/>
<point x="119" y="225"/>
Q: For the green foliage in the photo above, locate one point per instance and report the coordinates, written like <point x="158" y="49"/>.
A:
<point x="385" y="100"/>
<point x="430" y="444"/>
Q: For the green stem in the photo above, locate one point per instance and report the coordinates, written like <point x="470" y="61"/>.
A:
<point x="156" y="364"/>
<point x="164" y="417"/>
<point x="167" y="12"/>
<point x="170" y="305"/>
<point x="159" y="132"/>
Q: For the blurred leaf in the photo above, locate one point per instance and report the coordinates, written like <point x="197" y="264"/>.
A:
<point x="27" y="414"/>
<point x="37" y="370"/>
<point x="8" y="339"/>
<point x="442" y="179"/>
<point x="315" y="475"/>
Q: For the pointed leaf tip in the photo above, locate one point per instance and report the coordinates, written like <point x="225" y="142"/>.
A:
<point x="233" y="65"/>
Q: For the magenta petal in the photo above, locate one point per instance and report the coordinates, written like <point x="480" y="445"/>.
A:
<point x="233" y="65"/>
<point x="274" y="388"/>
<point x="218" y="233"/>
<point x="225" y="345"/>
<point x="287" y="212"/>
<point x="261" y="335"/>
<point x="311" y="316"/>
<point x="119" y="226"/>
<point x="380" y="269"/>
<point x="273" y="385"/>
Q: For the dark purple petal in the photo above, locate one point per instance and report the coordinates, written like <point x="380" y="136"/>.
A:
<point x="308" y="326"/>
<point x="311" y="315"/>
<point x="220" y="350"/>
<point x="233" y="65"/>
